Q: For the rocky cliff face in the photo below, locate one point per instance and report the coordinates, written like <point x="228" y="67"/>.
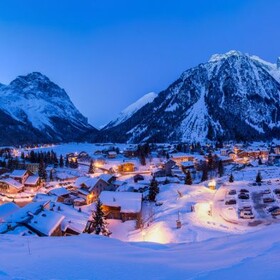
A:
<point x="33" y="109"/>
<point x="232" y="96"/>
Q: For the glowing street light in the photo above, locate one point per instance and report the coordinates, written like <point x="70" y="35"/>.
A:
<point x="212" y="185"/>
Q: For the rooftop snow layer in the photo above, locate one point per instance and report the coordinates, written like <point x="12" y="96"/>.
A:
<point x="129" y="202"/>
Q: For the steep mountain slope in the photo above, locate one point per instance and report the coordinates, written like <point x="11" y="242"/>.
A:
<point x="34" y="109"/>
<point x="132" y="109"/>
<point x="232" y="96"/>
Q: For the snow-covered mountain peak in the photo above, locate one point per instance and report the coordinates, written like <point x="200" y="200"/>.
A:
<point x="217" y="57"/>
<point x="233" y="96"/>
<point x="133" y="108"/>
<point x="147" y="98"/>
<point x="33" y="77"/>
<point x="41" y="110"/>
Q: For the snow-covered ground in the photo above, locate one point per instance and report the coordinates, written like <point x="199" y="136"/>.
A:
<point x="250" y="256"/>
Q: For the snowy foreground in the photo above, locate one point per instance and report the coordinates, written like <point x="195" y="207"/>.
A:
<point x="251" y="256"/>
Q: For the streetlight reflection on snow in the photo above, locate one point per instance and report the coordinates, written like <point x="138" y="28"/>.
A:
<point x="143" y="234"/>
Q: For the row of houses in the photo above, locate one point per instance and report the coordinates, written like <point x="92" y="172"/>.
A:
<point x="49" y="217"/>
<point x="19" y="180"/>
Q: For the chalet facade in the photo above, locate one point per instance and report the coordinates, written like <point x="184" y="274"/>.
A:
<point x="126" y="167"/>
<point x="168" y="167"/>
<point x="253" y="154"/>
<point x="121" y="205"/>
<point x="180" y="157"/>
<point x="33" y="181"/>
<point x="10" y="186"/>
<point x="90" y="188"/>
<point x="20" y="175"/>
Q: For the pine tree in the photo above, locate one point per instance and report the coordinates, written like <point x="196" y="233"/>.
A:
<point x="188" y="179"/>
<point x="61" y="162"/>
<point x="259" y="177"/>
<point x="66" y="162"/>
<point x="220" y="168"/>
<point x="51" y="175"/>
<point x="231" y="178"/>
<point x="99" y="223"/>
<point x="91" y="169"/>
<point x="142" y="159"/>
<point x="42" y="170"/>
<point x="153" y="190"/>
<point x="210" y="161"/>
<point x="204" y="176"/>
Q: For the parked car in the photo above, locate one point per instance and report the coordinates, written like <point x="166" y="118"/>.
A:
<point x="271" y="209"/>
<point x="246" y="208"/>
<point x="275" y="212"/>
<point x="158" y="203"/>
<point x="267" y="191"/>
<point x="268" y="200"/>
<point x="244" y="191"/>
<point x="232" y="192"/>
<point x="230" y="202"/>
<point x="277" y="191"/>
<point x="243" y="196"/>
<point x="247" y="215"/>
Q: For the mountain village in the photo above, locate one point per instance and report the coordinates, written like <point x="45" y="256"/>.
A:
<point x="152" y="192"/>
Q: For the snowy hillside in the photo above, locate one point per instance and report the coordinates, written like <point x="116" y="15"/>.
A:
<point x="132" y="109"/>
<point x="253" y="255"/>
<point x="232" y="96"/>
<point x="32" y="108"/>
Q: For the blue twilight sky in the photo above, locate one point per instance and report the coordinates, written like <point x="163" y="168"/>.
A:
<point x="107" y="54"/>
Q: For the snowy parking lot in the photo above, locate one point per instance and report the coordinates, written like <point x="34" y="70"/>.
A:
<point x="248" y="203"/>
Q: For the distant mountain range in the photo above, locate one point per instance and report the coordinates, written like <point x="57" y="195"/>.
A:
<point x="33" y="110"/>
<point x="233" y="96"/>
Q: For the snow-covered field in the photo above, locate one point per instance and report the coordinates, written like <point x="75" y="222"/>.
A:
<point x="248" y="256"/>
<point x="64" y="149"/>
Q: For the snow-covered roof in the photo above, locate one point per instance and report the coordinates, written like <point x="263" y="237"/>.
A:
<point x="106" y="177"/>
<point x="65" y="175"/>
<point x="12" y="183"/>
<point x="80" y="180"/>
<point x="187" y="163"/>
<point x="83" y="191"/>
<point x="119" y="183"/>
<point x="74" y="219"/>
<point x="22" y="231"/>
<point x="46" y="222"/>
<point x="18" y="173"/>
<point x="179" y="155"/>
<point x="129" y="202"/>
<point x="90" y="183"/>
<point x="59" y="191"/>
<point x="44" y="197"/>
<point x="32" y="180"/>
<point x="23" y="213"/>
<point x="7" y="209"/>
